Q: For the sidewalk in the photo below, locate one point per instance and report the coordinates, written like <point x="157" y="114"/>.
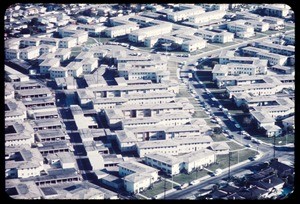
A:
<point x="173" y="182"/>
<point x="143" y="196"/>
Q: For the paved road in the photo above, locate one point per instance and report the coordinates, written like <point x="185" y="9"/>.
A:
<point x="193" y="58"/>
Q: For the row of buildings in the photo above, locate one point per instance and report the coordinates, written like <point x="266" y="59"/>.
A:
<point x="260" y="83"/>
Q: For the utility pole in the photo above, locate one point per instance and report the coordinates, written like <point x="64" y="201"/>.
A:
<point x="165" y="188"/>
<point x="229" y="166"/>
<point x="274" y="146"/>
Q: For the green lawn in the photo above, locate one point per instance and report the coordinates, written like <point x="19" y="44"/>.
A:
<point x="157" y="189"/>
<point x="186" y="178"/>
<point x="183" y="93"/>
<point x="75" y="53"/>
<point x="76" y="49"/>
<point x="289" y="139"/>
<point x="208" y="122"/>
<point x="223" y="45"/>
<point x="217" y="138"/>
<point x="288" y="28"/>
<point x="139" y="197"/>
<point x="200" y="114"/>
<point x="91" y="41"/>
<point x="222" y="160"/>
<point x="209" y="48"/>
<point x="234" y="146"/>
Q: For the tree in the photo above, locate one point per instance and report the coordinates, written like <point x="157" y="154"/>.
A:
<point x="217" y="130"/>
<point x="213" y="63"/>
<point x="290" y="129"/>
<point x="245" y="108"/>
<point x="247" y="121"/>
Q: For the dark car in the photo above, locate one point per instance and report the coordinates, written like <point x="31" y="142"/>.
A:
<point x="247" y="137"/>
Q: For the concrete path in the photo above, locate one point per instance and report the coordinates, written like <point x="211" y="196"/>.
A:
<point x="143" y="196"/>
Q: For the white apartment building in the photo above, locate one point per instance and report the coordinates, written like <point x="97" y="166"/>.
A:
<point x="126" y="141"/>
<point x="141" y="20"/>
<point x="47" y="49"/>
<point x="93" y="30"/>
<point x="258" y="89"/>
<point x="120" y="30"/>
<point x="89" y="65"/>
<point x="262" y="118"/>
<point x="237" y="69"/>
<point x="67" y="42"/>
<point x="274" y="23"/>
<point x="48" y="63"/>
<point x="67" y="31"/>
<point x="23" y="162"/>
<point x="27" y="42"/>
<point x="12" y="54"/>
<point x="155" y="30"/>
<point x="149" y="74"/>
<point x="246" y="79"/>
<point x="290" y="121"/>
<point x="148" y="110"/>
<point x="115" y="117"/>
<point x="211" y="7"/>
<point x="275" y="48"/>
<point x="266" y="122"/>
<point x="172" y="165"/>
<point x="85" y="97"/>
<point x="173" y="147"/>
<point x="198" y="160"/>
<point x="14" y="110"/>
<point x="75" y="69"/>
<point x="63" y="53"/>
<point x="258" y="25"/>
<point x="273" y="58"/>
<point x="184" y="14"/>
<point x="137" y="176"/>
<point x="9" y="91"/>
<point x="207" y="16"/>
<point x="81" y="36"/>
<point x="49" y="41"/>
<point x="57" y="72"/>
<point x="158" y="132"/>
<point x="18" y="134"/>
<point x="29" y="53"/>
<point x="290" y="39"/>
<point x="120" y="91"/>
<point x="177" y="118"/>
<point x="193" y="45"/>
<point x="228" y="57"/>
<point x="285" y="107"/>
<point x="133" y="99"/>
<point x="212" y="36"/>
<point x="12" y="43"/>
<point x="167" y="163"/>
<point x="240" y="29"/>
<point x="278" y="10"/>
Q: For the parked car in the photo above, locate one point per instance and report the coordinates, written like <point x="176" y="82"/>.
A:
<point x="247" y="137"/>
<point x="183" y="186"/>
<point x="237" y="126"/>
<point x="217" y="172"/>
<point x="194" y="182"/>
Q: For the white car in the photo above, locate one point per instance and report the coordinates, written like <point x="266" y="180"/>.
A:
<point x="194" y="182"/>
<point x="218" y="172"/>
<point x="237" y="126"/>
